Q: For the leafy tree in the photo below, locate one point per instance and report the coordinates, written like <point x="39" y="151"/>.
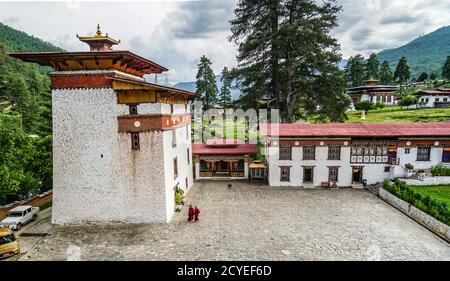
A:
<point x="364" y="105"/>
<point x="13" y="148"/>
<point x="386" y="75"/>
<point x="355" y="71"/>
<point x="225" y="90"/>
<point x="408" y="100"/>
<point x="206" y="83"/>
<point x="446" y="69"/>
<point x="422" y="77"/>
<point x="373" y="67"/>
<point x="402" y="73"/>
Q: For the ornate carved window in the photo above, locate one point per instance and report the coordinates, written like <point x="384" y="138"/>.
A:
<point x="423" y="153"/>
<point x="334" y="153"/>
<point x="135" y="144"/>
<point x="285" y="174"/>
<point x="285" y="152"/>
<point x="309" y="152"/>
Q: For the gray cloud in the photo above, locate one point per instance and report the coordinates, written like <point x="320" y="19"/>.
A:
<point x="197" y="19"/>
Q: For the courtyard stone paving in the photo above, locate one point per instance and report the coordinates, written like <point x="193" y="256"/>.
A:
<point x="251" y="223"/>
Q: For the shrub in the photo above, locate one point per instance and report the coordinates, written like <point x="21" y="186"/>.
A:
<point x="440" y="171"/>
<point x="408" y="100"/>
<point x="364" y="105"/>
<point x="379" y="105"/>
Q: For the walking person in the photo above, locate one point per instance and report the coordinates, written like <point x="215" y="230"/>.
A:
<point x="196" y="213"/>
<point x="190" y="213"/>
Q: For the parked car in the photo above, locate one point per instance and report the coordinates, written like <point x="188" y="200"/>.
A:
<point x="19" y="216"/>
<point x="8" y="243"/>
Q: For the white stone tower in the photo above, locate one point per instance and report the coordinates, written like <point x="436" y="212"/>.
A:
<point x="121" y="145"/>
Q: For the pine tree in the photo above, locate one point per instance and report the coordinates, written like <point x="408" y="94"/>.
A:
<point x="206" y="83"/>
<point x="386" y="75"/>
<point x="225" y="90"/>
<point x="255" y="31"/>
<point x="285" y="48"/>
<point x="422" y="77"/>
<point x="355" y="71"/>
<point x="446" y="69"/>
<point x="373" y="67"/>
<point x="433" y="76"/>
<point x="402" y="73"/>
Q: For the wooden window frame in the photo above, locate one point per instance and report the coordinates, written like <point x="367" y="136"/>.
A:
<point x="286" y="170"/>
<point x="285" y="152"/>
<point x="175" y="167"/>
<point x="331" y="168"/>
<point x="188" y="152"/>
<point x="133" y="109"/>
<point x="419" y="156"/>
<point x="135" y="141"/>
<point x="334" y="155"/>
<point x="311" y="155"/>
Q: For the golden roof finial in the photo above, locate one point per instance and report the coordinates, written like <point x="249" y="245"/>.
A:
<point x="99" y="32"/>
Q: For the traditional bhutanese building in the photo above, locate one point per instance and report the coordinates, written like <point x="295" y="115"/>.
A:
<point x="374" y="92"/>
<point x="438" y="98"/>
<point x="121" y="145"/>
<point x="313" y="155"/>
<point x="222" y="158"/>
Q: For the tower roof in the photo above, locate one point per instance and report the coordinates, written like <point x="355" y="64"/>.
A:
<point x="99" y="42"/>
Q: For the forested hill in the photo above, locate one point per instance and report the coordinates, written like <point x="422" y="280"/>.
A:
<point x="425" y="54"/>
<point x="18" y="41"/>
<point x="25" y="118"/>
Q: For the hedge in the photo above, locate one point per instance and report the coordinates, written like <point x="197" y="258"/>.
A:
<point x="437" y="209"/>
<point x="440" y="171"/>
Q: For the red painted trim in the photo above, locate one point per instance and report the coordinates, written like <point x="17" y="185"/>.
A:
<point x="80" y="81"/>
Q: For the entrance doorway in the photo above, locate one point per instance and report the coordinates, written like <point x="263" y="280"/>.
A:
<point x="446" y="155"/>
<point x="357" y="174"/>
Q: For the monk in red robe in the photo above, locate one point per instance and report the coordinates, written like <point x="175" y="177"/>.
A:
<point x="190" y="213"/>
<point x="196" y="213"/>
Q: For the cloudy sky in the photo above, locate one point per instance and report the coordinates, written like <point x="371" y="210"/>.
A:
<point x="176" y="33"/>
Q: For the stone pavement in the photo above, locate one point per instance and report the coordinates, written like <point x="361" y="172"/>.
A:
<point x="250" y="223"/>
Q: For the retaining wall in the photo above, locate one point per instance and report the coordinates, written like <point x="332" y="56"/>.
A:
<point x="35" y="201"/>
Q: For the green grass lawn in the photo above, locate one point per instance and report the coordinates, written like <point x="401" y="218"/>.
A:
<point x="396" y="114"/>
<point x="440" y="192"/>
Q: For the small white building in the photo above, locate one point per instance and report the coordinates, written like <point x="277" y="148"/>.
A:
<point x="312" y="155"/>
<point x="438" y="98"/>
<point x="121" y="146"/>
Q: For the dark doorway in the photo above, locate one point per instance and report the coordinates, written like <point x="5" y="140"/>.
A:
<point x="357" y="174"/>
<point x="308" y="174"/>
<point x="446" y="155"/>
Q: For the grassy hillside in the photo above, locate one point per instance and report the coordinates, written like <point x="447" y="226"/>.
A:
<point x="425" y="54"/>
<point x="396" y="114"/>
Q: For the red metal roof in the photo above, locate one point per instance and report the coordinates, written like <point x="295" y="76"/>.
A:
<point x="445" y="92"/>
<point x="437" y="129"/>
<point x="240" y="149"/>
<point x="224" y="142"/>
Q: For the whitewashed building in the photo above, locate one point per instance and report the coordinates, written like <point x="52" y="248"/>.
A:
<point x="121" y="146"/>
<point x="374" y="92"/>
<point x="312" y="155"/>
<point x="434" y="98"/>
